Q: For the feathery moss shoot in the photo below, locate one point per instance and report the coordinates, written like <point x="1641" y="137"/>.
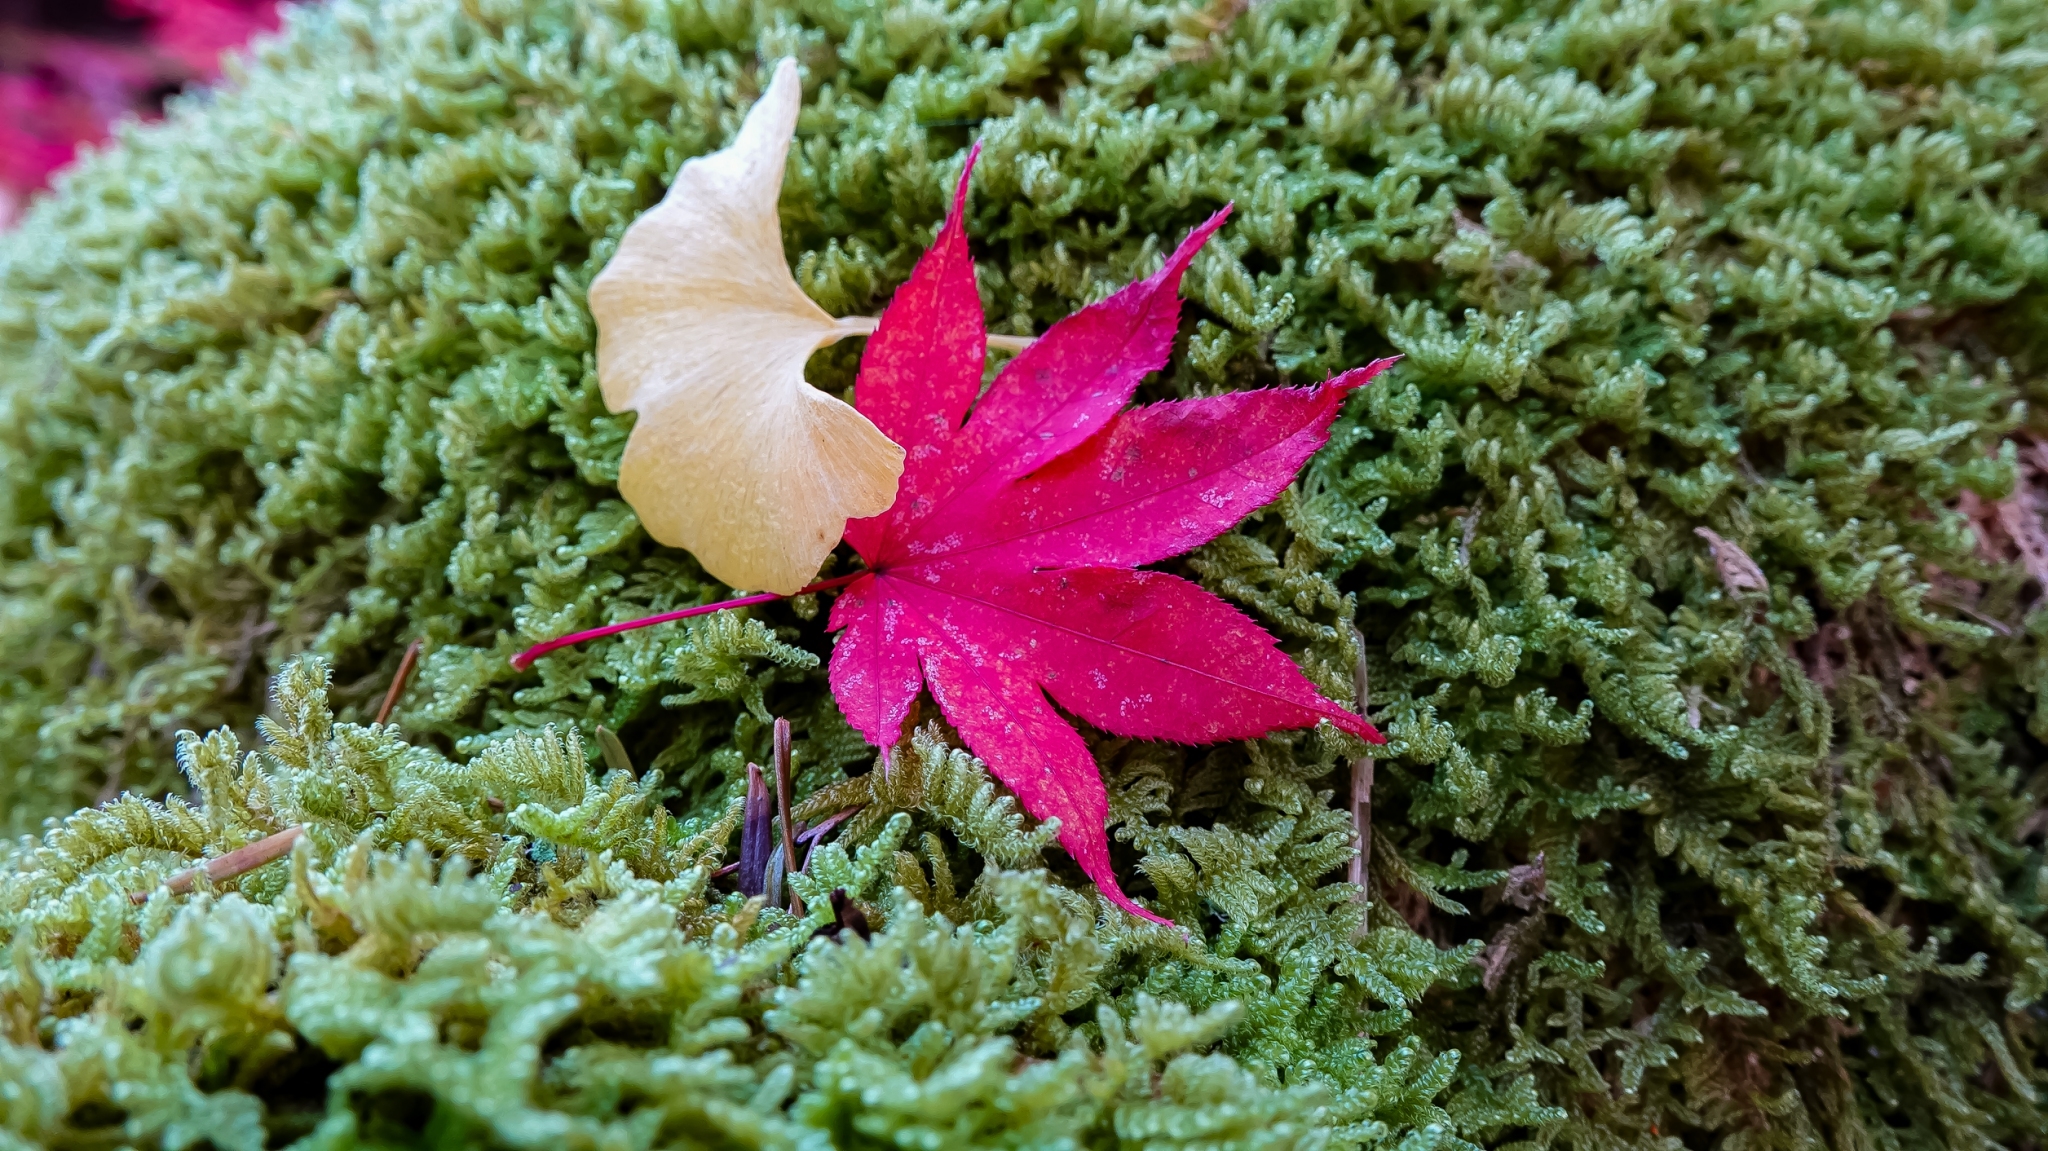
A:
<point x="1681" y="840"/>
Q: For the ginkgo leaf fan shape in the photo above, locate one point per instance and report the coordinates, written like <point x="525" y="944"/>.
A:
<point x="1002" y="577"/>
<point x="704" y="332"/>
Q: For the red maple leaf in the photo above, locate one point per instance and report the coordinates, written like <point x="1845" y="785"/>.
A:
<point x="1003" y="574"/>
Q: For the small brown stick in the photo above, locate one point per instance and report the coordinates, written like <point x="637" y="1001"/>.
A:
<point x="782" y="776"/>
<point x="251" y="856"/>
<point x="405" y="666"/>
<point x="1361" y="782"/>
<point x="241" y="860"/>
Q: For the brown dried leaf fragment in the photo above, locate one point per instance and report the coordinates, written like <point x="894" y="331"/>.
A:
<point x="1508" y="947"/>
<point x="704" y="332"/>
<point x="1527" y="884"/>
<point x="1738" y="572"/>
<point x="2022" y="517"/>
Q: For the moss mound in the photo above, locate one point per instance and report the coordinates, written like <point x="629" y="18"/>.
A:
<point x="1681" y="840"/>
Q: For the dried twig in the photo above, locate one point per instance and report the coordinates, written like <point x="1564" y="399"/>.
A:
<point x="245" y="858"/>
<point x="254" y="627"/>
<point x="1361" y="782"/>
<point x="782" y="777"/>
<point x="405" y="666"/>
<point x="251" y="856"/>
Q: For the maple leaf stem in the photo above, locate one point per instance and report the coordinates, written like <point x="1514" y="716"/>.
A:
<point x="1361" y="787"/>
<point x="865" y="326"/>
<point x="524" y="659"/>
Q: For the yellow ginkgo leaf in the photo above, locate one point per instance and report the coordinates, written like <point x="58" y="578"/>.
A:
<point x="704" y="332"/>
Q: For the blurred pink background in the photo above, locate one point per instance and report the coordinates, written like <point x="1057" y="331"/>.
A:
<point x="70" y="68"/>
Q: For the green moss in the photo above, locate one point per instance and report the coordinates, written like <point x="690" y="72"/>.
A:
<point x="1657" y="860"/>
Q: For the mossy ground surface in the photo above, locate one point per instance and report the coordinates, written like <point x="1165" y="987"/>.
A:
<point x="1663" y="854"/>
